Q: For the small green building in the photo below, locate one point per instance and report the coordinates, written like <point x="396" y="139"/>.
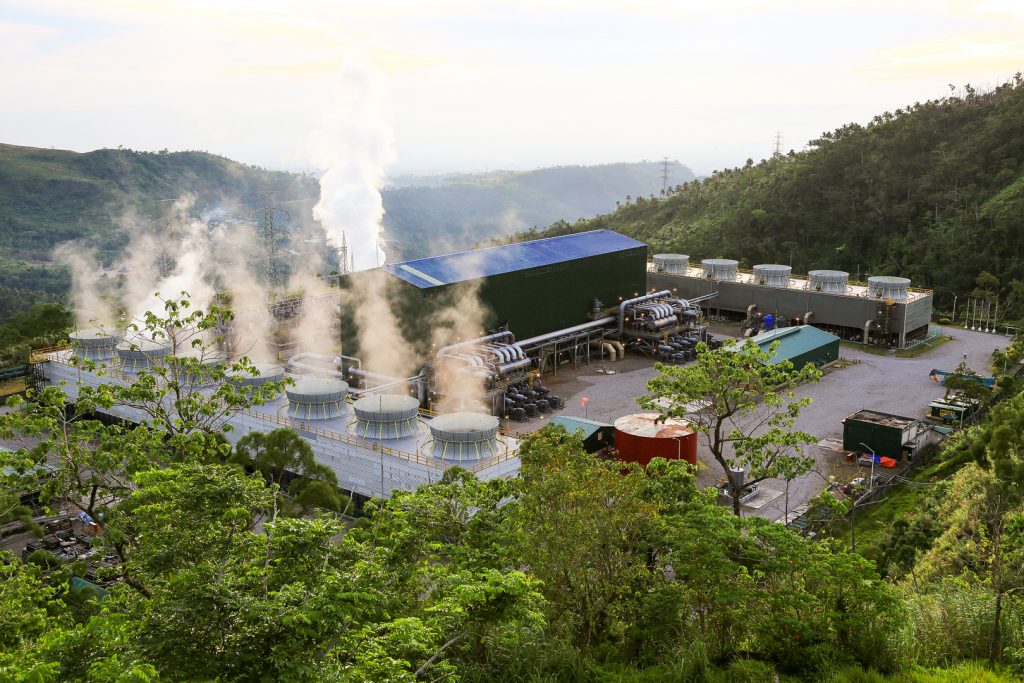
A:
<point x="596" y="435"/>
<point x="800" y="345"/>
<point x="892" y="436"/>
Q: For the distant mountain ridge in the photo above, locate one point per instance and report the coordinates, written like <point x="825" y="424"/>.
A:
<point x="455" y="211"/>
<point x="49" y="196"/>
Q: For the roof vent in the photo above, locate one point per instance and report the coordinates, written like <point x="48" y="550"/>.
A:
<point x="314" y="398"/>
<point x="772" y="275"/>
<point x="386" y="416"/>
<point x="671" y="263"/>
<point x="888" y="287"/>
<point x="93" y="344"/>
<point x="462" y="437"/>
<point x="141" y="354"/>
<point x="720" y="268"/>
<point x="828" y="281"/>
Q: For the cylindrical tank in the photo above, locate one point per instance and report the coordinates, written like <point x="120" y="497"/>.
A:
<point x="772" y="274"/>
<point x="140" y="354"/>
<point x="640" y="437"/>
<point x="720" y="268"/>
<point x="386" y="416"/>
<point x="828" y="281"/>
<point x="462" y="437"/>
<point x="316" y="398"/>
<point x="265" y="372"/>
<point x="93" y="344"/>
<point x="209" y="358"/>
<point x="671" y="263"/>
<point x="888" y="287"/>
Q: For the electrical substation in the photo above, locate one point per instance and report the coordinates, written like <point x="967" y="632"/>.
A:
<point x="545" y="307"/>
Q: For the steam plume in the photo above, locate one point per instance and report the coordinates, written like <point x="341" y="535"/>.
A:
<point x="353" y="144"/>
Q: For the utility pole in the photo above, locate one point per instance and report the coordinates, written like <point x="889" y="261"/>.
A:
<point x="664" y="175"/>
<point x="777" y="150"/>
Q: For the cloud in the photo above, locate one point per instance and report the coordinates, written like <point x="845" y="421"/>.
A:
<point x="949" y="56"/>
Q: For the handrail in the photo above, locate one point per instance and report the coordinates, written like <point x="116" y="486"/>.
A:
<point x="39" y="355"/>
<point x="798" y="276"/>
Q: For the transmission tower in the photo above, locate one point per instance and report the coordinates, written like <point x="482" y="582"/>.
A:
<point x="165" y="262"/>
<point x="264" y="217"/>
<point x="777" y="151"/>
<point x="664" y="175"/>
<point x="344" y="258"/>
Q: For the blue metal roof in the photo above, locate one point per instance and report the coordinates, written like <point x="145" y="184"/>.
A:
<point x="470" y="265"/>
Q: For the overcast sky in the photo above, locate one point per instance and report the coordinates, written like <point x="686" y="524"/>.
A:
<point x="470" y="84"/>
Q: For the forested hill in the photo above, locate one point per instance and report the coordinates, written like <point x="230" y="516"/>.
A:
<point x="50" y="196"/>
<point x="934" y="192"/>
<point x="432" y="214"/>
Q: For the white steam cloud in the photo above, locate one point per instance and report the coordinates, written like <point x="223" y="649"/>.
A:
<point x="353" y="145"/>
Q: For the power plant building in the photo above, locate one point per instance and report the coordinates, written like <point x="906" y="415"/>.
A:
<point x="885" y="309"/>
<point x="532" y="287"/>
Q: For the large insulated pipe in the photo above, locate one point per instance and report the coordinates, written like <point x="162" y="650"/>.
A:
<point x="807" y="317"/>
<point x="445" y="350"/>
<point x="316" y="369"/>
<point x="640" y="299"/>
<point x="867" y="330"/>
<point x="751" y="310"/>
<point x="513" y="366"/>
<point x="533" y="341"/>
<point x="659" y="323"/>
<point x="619" y="347"/>
<point x="606" y="348"/>
<point x="306" y="355"/>
<point x="373" y="376"/>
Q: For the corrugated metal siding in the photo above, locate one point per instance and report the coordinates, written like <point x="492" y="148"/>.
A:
<point x="800" y="345"/>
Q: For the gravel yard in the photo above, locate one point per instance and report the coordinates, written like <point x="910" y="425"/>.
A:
<point x="861" y="380"/>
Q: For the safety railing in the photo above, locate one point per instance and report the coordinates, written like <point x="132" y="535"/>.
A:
<point x="800" y="278"/>
<point x="42" y="355"/>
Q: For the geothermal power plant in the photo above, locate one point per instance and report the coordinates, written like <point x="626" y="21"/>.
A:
<point x="534" y="309"/>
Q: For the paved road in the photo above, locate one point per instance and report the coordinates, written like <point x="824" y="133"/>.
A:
<point x="884" y="383"/>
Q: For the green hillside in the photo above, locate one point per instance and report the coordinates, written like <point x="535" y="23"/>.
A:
<point x="934" y="192"/>
<point x="50" y="196"/>
<point x="433" y="214"/>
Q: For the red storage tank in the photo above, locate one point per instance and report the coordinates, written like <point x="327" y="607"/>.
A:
<point x="640" y="437"/>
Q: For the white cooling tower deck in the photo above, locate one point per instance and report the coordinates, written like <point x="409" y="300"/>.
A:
<point x="367" y="466"/>
<point x="800" y="282"/>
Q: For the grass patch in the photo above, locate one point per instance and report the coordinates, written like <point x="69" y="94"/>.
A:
<point x="922" y="349"/>
<point x="12" y="386"/>
<point x="874" y="521"/>
<point x="919" y="350"/>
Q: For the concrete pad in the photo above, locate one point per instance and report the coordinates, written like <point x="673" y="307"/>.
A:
<point x="763" y="497"/>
